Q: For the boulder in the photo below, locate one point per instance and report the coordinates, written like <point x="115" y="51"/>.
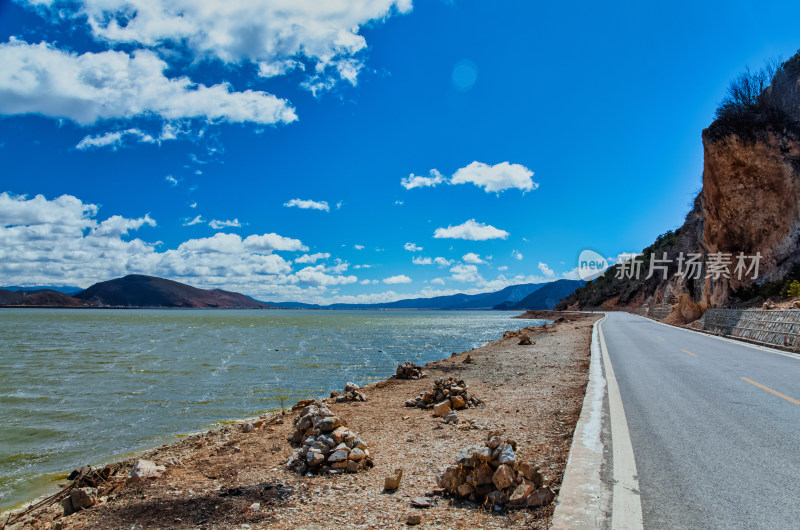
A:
<point x="338" y="456"/>
<point x="465" y="489"/>
<point x="356" y="454"/>
<point x="541" y="497"/>
<point x="521" y="494"/>
<point x="421" y="502"/>
<point x="525" y="340"/>
<point x="392" y="482"/>
<point x="314" y="458"/>
<point x="457" y="402"/>
<point x="79" y="499"/>
<point x="450" y="417"/>
<point x="530" y="473"/>
<point x="144" y="469"/>
<point x="503" y="477"/>
<point x="506" y="455"/>
<point x="440" y="409"/>
<point x="496" y="498"/>
<point x="328" y="424"/>
<point x="450" y="478"/>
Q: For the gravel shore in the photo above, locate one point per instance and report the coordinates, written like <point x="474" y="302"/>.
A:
<point x="229" y="478"/>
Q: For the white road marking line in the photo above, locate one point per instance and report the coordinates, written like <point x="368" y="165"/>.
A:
<point x="626" y="508"/>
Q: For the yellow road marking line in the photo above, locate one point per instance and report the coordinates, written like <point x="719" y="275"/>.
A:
<point x="690" y="353"/>
<point x="774" y="392"/>
<point x="662" y="338"/>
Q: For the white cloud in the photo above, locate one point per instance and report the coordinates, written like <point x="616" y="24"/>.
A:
<point x="502" y="268"/>
<point x="415" y="181"/>
<point x="495" y="178"/>
<point x="438" y="281"/>
<point x="546" y="270"/>
<point x="358" y="247"/>
<point x="517" y="255"/>
<point x="172" y="181"/>
<point x="116" y="139"/>
<point x="65" y="212"/>
<point x="218" y="225"/>
<point x="339" y="205"/>
<point x="442" y="262"/>
<point x="471" y="257"/>
<point x="472" y="231"/>
<point x="308" y="205"/>
<point x="196" y="221"/>
<point x="368" y="282"/>
<point x="320" y="277"/>
<point x="465" y="273"/>
<point x="116" y="225"/>
<point x="193" y="205"/>
<point x="571" y="275"/>
<point x="419" y="260"/>
<point x="312" y="258"/>
<point x="412" y="247"/>
<point x="399" y="203"/>
<point x="113" y="139"/>
<point x="276" y="35"/>
<point x="400" y="278"/>
<point x="279" y="67"/>
<point x="272" y="241"/>
<point x="87" y="88"/>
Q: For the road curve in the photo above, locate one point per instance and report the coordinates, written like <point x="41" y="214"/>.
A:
<point x="714" y="425"/>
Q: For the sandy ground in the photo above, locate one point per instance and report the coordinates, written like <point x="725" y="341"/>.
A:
<point x="231" y="479"/>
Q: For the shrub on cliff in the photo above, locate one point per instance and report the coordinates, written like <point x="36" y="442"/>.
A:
<point x="758" y="101"/>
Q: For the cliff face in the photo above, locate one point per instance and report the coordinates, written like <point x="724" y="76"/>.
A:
<point x="749" y="203"/>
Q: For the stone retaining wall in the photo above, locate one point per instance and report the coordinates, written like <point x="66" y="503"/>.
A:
<point x="774" y="327"/>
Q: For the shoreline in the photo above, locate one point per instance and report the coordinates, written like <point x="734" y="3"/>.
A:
<point x="186" y="451"/>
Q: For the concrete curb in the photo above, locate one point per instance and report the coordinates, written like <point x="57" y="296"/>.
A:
<point x="584" y="500"/>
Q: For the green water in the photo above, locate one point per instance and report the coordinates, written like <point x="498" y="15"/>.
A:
<point x="82" y="387"/>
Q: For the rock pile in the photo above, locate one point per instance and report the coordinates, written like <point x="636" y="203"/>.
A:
<point x="408" y="370"/>
<point x="493" y="476"/>
<point x="447" y="395"/>
<point x="326" y="444"/>
<point x="351" y="393"/>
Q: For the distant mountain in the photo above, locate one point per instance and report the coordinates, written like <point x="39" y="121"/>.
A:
<point x="8" y="296"/>
<point x="67" y="289"/>
<point x="512" y="293"/>
<point x="546" y="297"/>
<point x="136" y="290"/>
<point x="47" y="298"/>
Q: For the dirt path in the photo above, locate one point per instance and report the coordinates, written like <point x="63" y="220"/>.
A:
<point x="231" y="479"/>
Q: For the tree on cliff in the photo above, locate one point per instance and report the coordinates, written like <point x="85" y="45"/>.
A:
<point x="768" y="98"/>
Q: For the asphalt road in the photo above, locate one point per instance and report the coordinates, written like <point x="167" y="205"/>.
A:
<point x="712" y="450"/>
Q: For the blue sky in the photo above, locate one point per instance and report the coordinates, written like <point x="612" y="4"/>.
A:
<point x="263" y="146"/>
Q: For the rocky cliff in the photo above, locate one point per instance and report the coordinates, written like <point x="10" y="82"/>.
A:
<point x="749" y="203"/>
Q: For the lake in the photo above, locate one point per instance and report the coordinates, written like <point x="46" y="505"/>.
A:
<point x="82" y="387"/>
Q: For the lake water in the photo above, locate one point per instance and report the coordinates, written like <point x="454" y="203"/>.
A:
<point x="84" y="387"/>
